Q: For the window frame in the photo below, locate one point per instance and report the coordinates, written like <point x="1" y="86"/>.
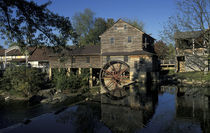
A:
<point x="73" y="60"/>
<point x="125" y="26"/>
<point x="129" y="39"/>
<point x="112" y="41"/>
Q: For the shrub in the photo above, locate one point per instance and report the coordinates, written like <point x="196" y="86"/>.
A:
<point x="22" y="79"/>
<point x="73" y="82"/>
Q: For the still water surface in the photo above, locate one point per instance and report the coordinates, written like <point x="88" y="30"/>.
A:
<point x="156" y="109"/>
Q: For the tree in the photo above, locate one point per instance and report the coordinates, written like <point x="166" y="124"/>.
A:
<point x="161" y="49"/>
<point x="171" y="51"/>
<point x="192" y="17"/>
<point x="27" y="23"/>
<point x="83" y="22"/>
<point x="136" y="23"/>
<point x="109" y="22"/>
<point x="90" y="28"/>
<point x="100" y="26"/>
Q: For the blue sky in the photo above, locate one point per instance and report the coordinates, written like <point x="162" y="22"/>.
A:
<point x="152" y="12"/>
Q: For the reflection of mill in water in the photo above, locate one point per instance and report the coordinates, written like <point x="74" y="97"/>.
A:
<point x="131" y="112"/>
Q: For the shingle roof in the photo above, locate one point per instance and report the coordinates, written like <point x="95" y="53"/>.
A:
<point x="187" y="35"/>
<point x="74" y="50"/>
<point x="39" y="54"/>
<point x="142" y="52"/>
<point x="2" y="52"/>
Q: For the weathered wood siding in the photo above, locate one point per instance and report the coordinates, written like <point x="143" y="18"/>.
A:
<point x="136" y="62"/>
<point x="80" y="62"/>
<point x="120" y="36"/>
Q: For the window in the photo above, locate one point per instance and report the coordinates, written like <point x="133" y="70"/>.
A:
<point x="73" y="60"/>
<point x="115" y="27"/>
<point x="125" y="27"/>
<point x="112" y="40"/>
<point x="129" y="39"/>
<point x="87" y="59"/>
<point x="125" y="58"/>
<point x="107" y="58"/>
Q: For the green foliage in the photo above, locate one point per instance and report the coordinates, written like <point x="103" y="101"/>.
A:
<point x="83" y="21"/>
<point x="171" y="51"/>
<point x="90" y="28"/>
<point x="72" y="82"/>
<point x="24" y="22"/>
<point x="197" y="76"/>
<point x="161" y="49"/>
<point x="21" y="79"/>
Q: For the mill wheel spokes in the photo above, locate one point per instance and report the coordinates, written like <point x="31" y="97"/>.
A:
<point x="114" y="76"/>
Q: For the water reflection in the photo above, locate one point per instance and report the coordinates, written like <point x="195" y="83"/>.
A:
<point x="144" y="109"/>
<point x="132" y="112"/>
<point x="194" y="106"/>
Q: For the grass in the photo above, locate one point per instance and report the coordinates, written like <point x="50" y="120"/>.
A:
<point x="196" y="76"/>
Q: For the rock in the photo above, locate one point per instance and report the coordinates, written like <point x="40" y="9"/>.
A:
<point x="46" y="93"/>
<point x="36" y="99"/>
<point x="47" y="100"/>
<point x="86" y="99"/>
<point x="58" y="91"/>
<point x="7" y="98"/>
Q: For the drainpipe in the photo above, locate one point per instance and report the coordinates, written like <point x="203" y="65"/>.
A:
<point x="193" y="46"/>
<point x="5" y="63"/>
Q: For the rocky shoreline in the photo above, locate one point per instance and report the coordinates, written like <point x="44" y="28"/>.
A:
<point x="47" y="96"/>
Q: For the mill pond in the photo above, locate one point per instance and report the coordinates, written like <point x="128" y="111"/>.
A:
<point x="142" y="109"/>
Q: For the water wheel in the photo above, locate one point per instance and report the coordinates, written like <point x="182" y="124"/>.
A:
<point x="114" y="76"/>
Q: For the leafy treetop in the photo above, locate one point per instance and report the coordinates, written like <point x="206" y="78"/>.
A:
<point x="26" y="23"/>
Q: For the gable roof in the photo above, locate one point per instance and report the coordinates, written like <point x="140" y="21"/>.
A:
<point x="128" y="24"/>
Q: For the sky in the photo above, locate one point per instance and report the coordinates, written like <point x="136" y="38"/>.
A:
<point x="154" y="13"/>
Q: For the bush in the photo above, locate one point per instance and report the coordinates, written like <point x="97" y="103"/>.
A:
<point x="73" y="82"/>
<point x="21" y="79"/>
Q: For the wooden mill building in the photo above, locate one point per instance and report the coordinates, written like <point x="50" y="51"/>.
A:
<point x="192" y="51"/>
<point x="122" y="41"/>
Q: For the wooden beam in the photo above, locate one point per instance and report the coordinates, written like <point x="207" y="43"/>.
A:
<point x="68" y="71"/>
<point x="91" y="78"/>
<point x="50" y="73"/>
<point x="80" y="71"/>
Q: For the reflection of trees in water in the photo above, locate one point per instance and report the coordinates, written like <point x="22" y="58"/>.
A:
<point x="193" y="105"/>
<point x="132" y="112"/>
<point x="85" y="118"/>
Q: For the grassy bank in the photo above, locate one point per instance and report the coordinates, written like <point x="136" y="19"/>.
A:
<point x="194" y="77"/>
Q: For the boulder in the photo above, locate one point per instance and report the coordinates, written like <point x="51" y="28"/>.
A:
<point x="36" y="99"/>
<point x="46" y="93"/>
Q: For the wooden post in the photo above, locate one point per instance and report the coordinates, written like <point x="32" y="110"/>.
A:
<point x="50" y="73"/>
<point x="91" y="78"/>
<point x="80" y="71"/>
<point x="193" y="40"/>
<point x="131" y="75"/>
<point x="68" y="71"/>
